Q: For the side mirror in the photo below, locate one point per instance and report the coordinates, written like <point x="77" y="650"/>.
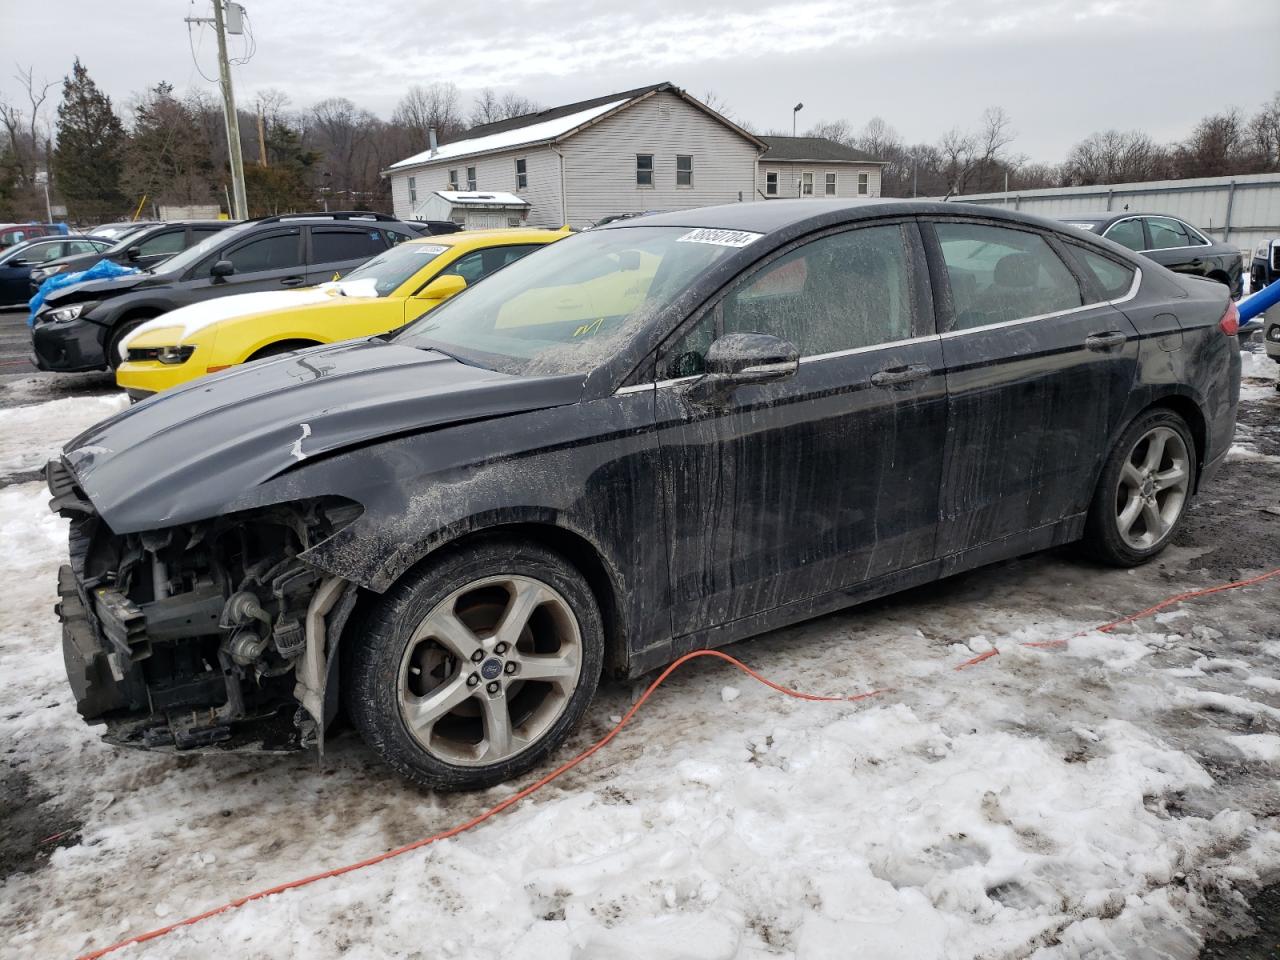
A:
<point x="20" y="263"/>
<point x="133" y="253"/>
<point x="442" y="288"/>
<point x="223" y="268"/>
<point x="738" y="359"/>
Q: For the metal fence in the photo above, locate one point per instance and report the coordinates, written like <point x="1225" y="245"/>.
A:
<point x="1240" y="210"/>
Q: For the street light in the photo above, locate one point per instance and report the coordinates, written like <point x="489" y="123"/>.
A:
<point x="794" y="110"/>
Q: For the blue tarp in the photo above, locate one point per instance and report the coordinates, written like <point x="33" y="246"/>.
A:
<point x="102" y="270"/>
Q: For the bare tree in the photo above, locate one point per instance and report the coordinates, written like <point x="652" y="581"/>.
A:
<point x="24" y="127"/>
<point x="838" y="130"/>
<point x="490" y="108"/>
<point x="1264" y="130"/>
<point x="424" y="108"/>
<point x="1114" y="156"/>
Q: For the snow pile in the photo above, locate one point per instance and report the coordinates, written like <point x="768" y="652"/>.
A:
<point x="1256" y="365"/>
<point x="1084" y="802"/>
<point x="31" y="435"/>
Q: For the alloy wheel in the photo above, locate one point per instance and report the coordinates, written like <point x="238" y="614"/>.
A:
<point x="1152" y="492"/>
<point x="489" y="670"/>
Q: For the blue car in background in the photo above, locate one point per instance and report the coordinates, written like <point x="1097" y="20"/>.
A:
<point x="17" y="262"/>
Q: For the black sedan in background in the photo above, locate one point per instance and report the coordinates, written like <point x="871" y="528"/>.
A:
<point x="1170" y="242"/>
<point x="663" y="434"/>
<point x="18" y="262"/>
<point x="145" y="247"/>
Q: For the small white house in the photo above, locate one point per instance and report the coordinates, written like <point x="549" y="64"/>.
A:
<point x="815" y="167"/>
<point x="475" y="209"/>
<point x="654" y="148"/>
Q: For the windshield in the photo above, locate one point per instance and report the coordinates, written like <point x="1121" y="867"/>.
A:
<point x="390" y="269"/>
<point x="572" y="304"/>
<point x="193" y="255"/>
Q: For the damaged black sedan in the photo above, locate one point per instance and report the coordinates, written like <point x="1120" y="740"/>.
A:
<point x="665" y="434"/>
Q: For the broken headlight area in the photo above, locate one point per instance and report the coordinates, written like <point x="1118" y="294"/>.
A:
<point x="191" y="636"/>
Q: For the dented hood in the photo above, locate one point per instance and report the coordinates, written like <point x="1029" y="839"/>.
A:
<point x="189" y="453"/>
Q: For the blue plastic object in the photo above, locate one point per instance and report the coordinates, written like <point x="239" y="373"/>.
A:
<point x="102" y="270"/>
<point x="1256" y="303"/>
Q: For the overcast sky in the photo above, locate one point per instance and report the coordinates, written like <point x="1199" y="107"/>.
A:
<point x="1061" y="68"/>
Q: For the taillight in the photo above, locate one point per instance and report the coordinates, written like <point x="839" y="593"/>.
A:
<point x="1230" y="322"/>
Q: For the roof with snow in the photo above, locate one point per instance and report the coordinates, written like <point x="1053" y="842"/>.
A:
<point x="481" y="198"/>
<point x="818" y="149"/>
<point x="550" y="125"/>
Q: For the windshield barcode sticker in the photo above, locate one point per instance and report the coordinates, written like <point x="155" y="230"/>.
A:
<point x="428" y="249"/>
<point x="721" y="238"/>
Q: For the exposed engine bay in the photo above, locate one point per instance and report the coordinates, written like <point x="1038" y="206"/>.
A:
<point x="195" y="635"/>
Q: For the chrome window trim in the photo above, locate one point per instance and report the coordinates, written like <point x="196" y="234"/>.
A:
<point x="1133" y="292"/>
<point x="811" y="357"/>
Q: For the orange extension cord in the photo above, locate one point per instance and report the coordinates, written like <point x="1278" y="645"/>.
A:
<point x="537" y="785"/>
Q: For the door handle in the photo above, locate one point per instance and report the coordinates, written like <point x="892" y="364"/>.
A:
<point x="896" y="376"/>
<point x="1105" y="341"/>
<point x="292" y="281"/>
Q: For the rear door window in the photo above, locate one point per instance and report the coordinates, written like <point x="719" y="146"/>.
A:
<point x="278" y="251"/>
<point x="1127" y="233"/>
<point x="1166" y="233"/>
<point x="998" y="274"/>
<point x="162" y="244"/>
<point x="332" y="245"/>
<point x="73" y="247"/>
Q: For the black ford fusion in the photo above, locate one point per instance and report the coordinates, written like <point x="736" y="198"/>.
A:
<point x="665" y="434"/>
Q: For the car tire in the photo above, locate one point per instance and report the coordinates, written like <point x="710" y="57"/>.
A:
<point x="117" y="337"/>
<point x="474" y="668"/>
<point x="1143" y="491"/>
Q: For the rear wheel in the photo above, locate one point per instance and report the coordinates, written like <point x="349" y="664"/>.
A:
<point x="473" y="670"/>
<point x="1143" y="491"/>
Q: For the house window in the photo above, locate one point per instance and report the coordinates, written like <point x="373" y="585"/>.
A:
<point x="644" y="169"/>
<point x="453" y="180"/>
<point x="471" y="178"/>
<point x="864" y="184"/>
<point x="831" y="185"/>
<point x="806" y="184"/>
<point x="771" y="183"/>
<point x="513" y="221"/>
<point x="684" y="171"/>
<point x="413" y="190"/>
<point x="522" y="174"/>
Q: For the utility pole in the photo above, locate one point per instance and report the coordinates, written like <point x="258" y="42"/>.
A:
<point x="262" y="139"/>
<point x="241" y="211"/>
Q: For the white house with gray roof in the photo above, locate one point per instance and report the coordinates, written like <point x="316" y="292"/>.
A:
<point x="815" y="167"/>
<point x="654" y="148"/>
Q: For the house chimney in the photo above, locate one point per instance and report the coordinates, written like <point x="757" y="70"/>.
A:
<point x="431" y="138"/>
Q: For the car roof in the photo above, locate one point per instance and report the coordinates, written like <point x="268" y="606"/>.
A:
<point x="767" y="216"/>
<point x="496" y="237"/>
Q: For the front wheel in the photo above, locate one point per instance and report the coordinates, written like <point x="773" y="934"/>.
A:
<point x="477" y="667"/>
<point x="1143" y="492"/>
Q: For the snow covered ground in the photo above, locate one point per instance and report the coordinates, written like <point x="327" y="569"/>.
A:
<point x="1116" y="798"/>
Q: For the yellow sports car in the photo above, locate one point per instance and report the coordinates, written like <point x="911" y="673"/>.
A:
<point x="390" y="290"/>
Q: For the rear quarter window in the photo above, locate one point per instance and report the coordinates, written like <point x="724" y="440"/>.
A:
<point x="1112" y="277"/>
